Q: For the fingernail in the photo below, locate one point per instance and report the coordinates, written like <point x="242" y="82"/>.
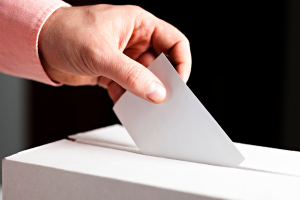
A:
<point x="156" y="92"/>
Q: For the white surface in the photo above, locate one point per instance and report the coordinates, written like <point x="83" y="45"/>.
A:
<point x="180" y="127"/>
<point x="115" y="137"/>
<point x="38" y="177"/>
<point x="0" y="192"/>
<point x="256" y="157"/>
<point x="270" y="160"/>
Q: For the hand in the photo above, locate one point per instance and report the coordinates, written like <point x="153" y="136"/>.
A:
<point x="111" y="46"/>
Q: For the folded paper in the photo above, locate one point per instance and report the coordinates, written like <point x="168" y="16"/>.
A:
<point x="180" y="127"/>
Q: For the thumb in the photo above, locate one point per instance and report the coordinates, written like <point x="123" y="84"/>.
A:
<point x="136" y="78"/>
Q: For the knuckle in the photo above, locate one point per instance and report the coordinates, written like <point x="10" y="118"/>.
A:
<point x="134" y="76"/>
<point x="186" y="40"/>
<point x="134" y="9"/>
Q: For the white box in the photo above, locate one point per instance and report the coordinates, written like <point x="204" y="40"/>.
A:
<point x="106" y="164"/>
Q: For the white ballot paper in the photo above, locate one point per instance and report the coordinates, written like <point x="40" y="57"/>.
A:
<point x="180" y="127"/>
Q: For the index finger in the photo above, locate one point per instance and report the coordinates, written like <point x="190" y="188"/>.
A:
<point x="169" y="40"/>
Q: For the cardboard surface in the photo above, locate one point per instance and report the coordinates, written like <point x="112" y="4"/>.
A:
<point x="180" y="127"/>
<point x="70" y="170"/>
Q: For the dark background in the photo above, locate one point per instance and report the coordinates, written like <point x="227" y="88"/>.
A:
<point x="245" y="71"/>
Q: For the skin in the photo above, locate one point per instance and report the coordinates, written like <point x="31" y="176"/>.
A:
<point x="110" y="46"/>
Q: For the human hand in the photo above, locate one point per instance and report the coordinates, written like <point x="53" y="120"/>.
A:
<point x="111" y="46"/>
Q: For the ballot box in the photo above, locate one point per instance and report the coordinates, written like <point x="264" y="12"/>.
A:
<point x="106" y="164"/>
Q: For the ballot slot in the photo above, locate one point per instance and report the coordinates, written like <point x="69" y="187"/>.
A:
<point x="258" y="158"/>
<point x="114" y="137"/>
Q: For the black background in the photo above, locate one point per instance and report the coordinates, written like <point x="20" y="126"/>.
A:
<point x="239" y="73"/>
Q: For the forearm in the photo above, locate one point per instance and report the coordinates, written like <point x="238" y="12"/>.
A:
<point x="21" y="22"/>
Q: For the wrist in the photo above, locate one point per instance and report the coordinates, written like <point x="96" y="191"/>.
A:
<point x="46" y="32"/>
<point x="45" y="37"/>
